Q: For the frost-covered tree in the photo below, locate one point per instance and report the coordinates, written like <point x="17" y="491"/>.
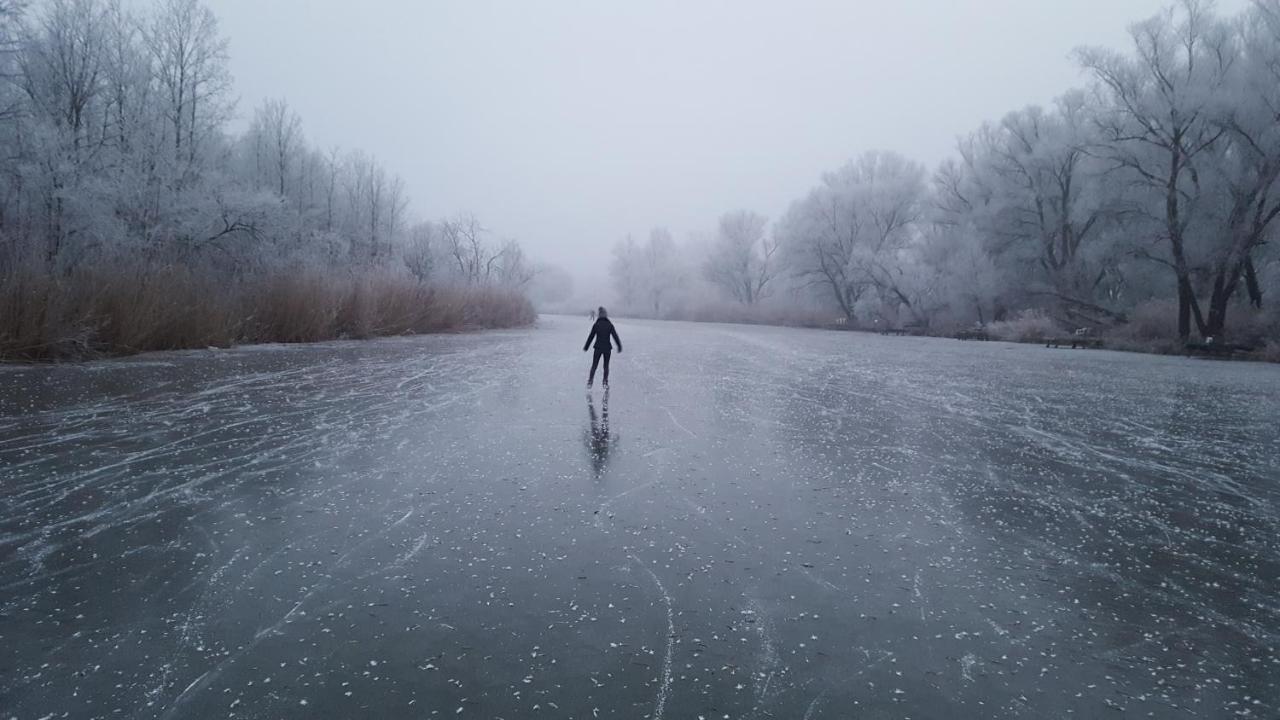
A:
<point x="191" y="74"/>
<point x="660" y="268"/>
<point x="1247" y="170"/>
<point x="425" y="240"/>
<point x="741" y="262"/>
<point x="626" y="272"/>
<point x="1159" y="181"/>
<point x="647" y="277"/>
<point x="465" y="252"/>
<point x="848" y="235"/>
<point x="1158" y="115"/>
<point x="117" y="157"/>
<point x="276" y="140"/>
<point x="1044" y="208"/>
<point x="514" y="269"/>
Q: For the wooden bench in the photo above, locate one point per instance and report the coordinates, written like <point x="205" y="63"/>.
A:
<point x="915" y="328"/>
<point x="973" y="334"/>
<point x="1075" y="341"/>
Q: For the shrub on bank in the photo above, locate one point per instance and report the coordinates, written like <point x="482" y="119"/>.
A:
<point x="1028" y="326"/>
<point x="1151" y="328"/>
<point x="1270" y="352"/>
<point x="1253" y="326"/>
<point x="94" y="314"/>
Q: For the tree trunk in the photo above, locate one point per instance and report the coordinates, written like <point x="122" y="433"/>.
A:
<point x="1188" y="307"/>
<point x="1251" y="282"/>
<point x="1224" y="288"/>
<point x="843" y="296"/>
<point x="1184" y="311"/>
<point x="1217" y="308"/>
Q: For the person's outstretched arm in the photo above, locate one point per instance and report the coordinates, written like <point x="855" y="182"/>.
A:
<point x="587" y="344"/>
<point x="614" y="332"/>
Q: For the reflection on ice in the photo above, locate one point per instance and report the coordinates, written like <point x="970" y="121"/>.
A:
<point x="598" y="437"/>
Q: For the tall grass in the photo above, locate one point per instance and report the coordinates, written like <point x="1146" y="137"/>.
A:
<point x="102" y="313"/>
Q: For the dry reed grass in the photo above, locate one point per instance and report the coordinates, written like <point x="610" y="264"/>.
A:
<point x="103" y="313"/>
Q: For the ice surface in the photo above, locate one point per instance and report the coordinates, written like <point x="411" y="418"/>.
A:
<point x="755" y="523"/>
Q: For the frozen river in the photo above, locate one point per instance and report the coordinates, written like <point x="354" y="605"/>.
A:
<point x="757" y="523"/>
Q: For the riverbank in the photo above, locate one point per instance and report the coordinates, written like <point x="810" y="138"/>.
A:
<point x="1147" y="332"/>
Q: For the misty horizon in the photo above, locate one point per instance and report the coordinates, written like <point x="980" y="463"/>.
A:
<point x="569" y="126"/>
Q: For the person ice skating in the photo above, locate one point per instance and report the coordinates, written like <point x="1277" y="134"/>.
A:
<point x="601" y="331"/>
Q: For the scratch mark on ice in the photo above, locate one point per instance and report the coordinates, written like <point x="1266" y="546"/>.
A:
<point x="814" y="705"/>
<point x="671" y="632"/>
<point x="915" y="589"/>
<point x="677" y="422"/>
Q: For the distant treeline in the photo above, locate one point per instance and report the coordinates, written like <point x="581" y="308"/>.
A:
<point x="131" y="219"/>
<point x="1143" y="207"/>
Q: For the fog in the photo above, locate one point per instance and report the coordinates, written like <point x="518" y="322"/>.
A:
<point x="354" y="248"/>
<point x="568" y="125"/>
<point x="1096" y="168"/>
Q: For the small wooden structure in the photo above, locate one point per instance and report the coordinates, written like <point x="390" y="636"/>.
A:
<point x="1075" y="341"/>
<point x="1081" y="338"/>
<point x="913" y="328"/>
<point x="1212" y="349"/>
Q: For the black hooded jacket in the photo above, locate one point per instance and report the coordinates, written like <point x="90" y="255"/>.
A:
<point x="602" y="331"/>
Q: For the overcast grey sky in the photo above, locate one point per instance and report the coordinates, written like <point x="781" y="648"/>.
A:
<point x="568" y="124"/>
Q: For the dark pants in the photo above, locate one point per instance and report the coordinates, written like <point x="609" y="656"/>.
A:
<point x="595" y="360"/>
